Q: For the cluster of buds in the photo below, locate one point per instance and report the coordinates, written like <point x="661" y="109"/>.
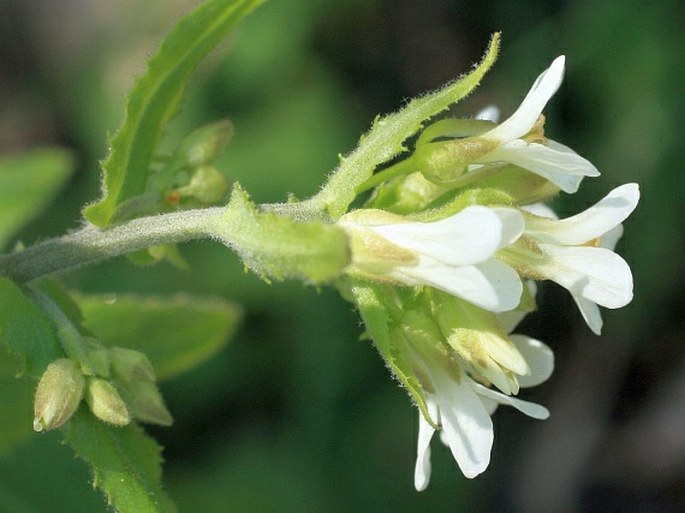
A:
<point x="118" y="386"/>
<point x="446" y="254"/>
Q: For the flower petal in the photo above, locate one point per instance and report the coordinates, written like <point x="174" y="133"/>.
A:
<point x="513" y="224"/>
<point x="611" y="238"/>
<point x="590" y="312"/>
<point x="594" y="222"/>
<point x="539" y="357"/>
<point x="490" y="113"/>
<point x="534" y="410"/>
<point x="520" y="123"/>
<point x="596" y="274"/>
<point x="492" y="285"/>
<point x="469" y="237"/>
<point x="466" y="426"/>
<point x="564" y="169"/>
<point x="422" y="470"/>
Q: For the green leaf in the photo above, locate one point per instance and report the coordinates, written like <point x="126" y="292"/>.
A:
<point x="176" y="333"/>
<point x="126" y="463"/>
<point x="155" y="97"/>
<point x="26" y="331"/>
<point x="28" y="182"/>
<point x="16" y="415"/>
<point x="388" y="134"/>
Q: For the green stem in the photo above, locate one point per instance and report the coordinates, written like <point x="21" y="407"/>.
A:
<point x="69" y="336"/>
<point x="90" y="244"/>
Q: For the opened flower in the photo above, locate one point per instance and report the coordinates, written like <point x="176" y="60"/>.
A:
<point x="519" y="140"/>
<point x="553" y="161"/>
<point x="455" y="397"/>
<point x="577" y="253"/>
<point x="454" y="254"/>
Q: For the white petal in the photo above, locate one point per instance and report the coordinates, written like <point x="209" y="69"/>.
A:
<point x="490" y="113"/>
<point x="590" y="312"/>
<point x="466" y="426"/>
<point x="565" y="170"/>
<point x="513" y="224"/>
<point x="469" y="237"/>
<point x="539" y="357"/>
<point x="422" y="470"/>
<point x="509" y="320"/>
<point x="520" y="123"/>
<point x="540" y="210"/>
<point x="492" y="285"/>
<point x="611" y="238"/>
<point x="596" y="274"/>
<point x="534" y="410"/>
<point x="594" y="222"/>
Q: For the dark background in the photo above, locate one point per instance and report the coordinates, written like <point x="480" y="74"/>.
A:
<point x="297" y="414"/>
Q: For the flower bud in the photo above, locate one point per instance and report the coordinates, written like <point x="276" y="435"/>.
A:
<point x="58" y="395"/>
<point x="205" y="144"/>
<point x="129" y="365"/>
<point x="106" y="403"/>
<point x="146" y="403"/>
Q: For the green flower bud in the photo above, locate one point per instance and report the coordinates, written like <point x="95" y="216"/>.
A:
<point x="106" y="403"/>
<point x="205" y="144"/>
<point x="58" y="395"/>
<point x="146" y="403"/>
<point x="129" y="365"/>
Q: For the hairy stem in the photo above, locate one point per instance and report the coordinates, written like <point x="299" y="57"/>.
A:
<point x="90" y="244"/>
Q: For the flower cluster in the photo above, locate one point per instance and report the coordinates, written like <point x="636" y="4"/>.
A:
<point x="445" y="257"/>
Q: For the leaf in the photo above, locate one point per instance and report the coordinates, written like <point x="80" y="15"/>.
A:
<point x="155" y="97"/>
<point x="28" y="182"/>
<point x="26" y="331"/>
<point x="16" y="414"/>
<point x="386" y="138"/>
<point x="176" y="333"/>
<point x="126" y="463"/>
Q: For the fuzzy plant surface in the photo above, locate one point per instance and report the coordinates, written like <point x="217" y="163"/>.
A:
<point x="435" y="228"/>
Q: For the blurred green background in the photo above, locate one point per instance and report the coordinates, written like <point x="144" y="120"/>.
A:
<point x="297" y="414"/>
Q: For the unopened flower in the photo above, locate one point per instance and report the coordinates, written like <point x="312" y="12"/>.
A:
<point x="577" y="253"/>
<point x="106" y="403"/>
<point x="454" y="254"/>
<point x="58" y="395"/>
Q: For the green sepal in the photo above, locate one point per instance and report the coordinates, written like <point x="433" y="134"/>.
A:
<point x="126" y="463"/>
<point x="379" y="323"/>
<point x="26" y="331"/>
<point x="454" y="202"/>
<point x="388" y="134"/>
<point x="154" y="99"/>
<point x="175" y="333"/>
<point x="278" y="247"/>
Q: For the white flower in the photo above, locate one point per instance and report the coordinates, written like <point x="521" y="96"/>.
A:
<point x="462" y="409"/>
<point x="454" y="254"/>
<point x="577" y="253"/>
<point x="553" y="161"/>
